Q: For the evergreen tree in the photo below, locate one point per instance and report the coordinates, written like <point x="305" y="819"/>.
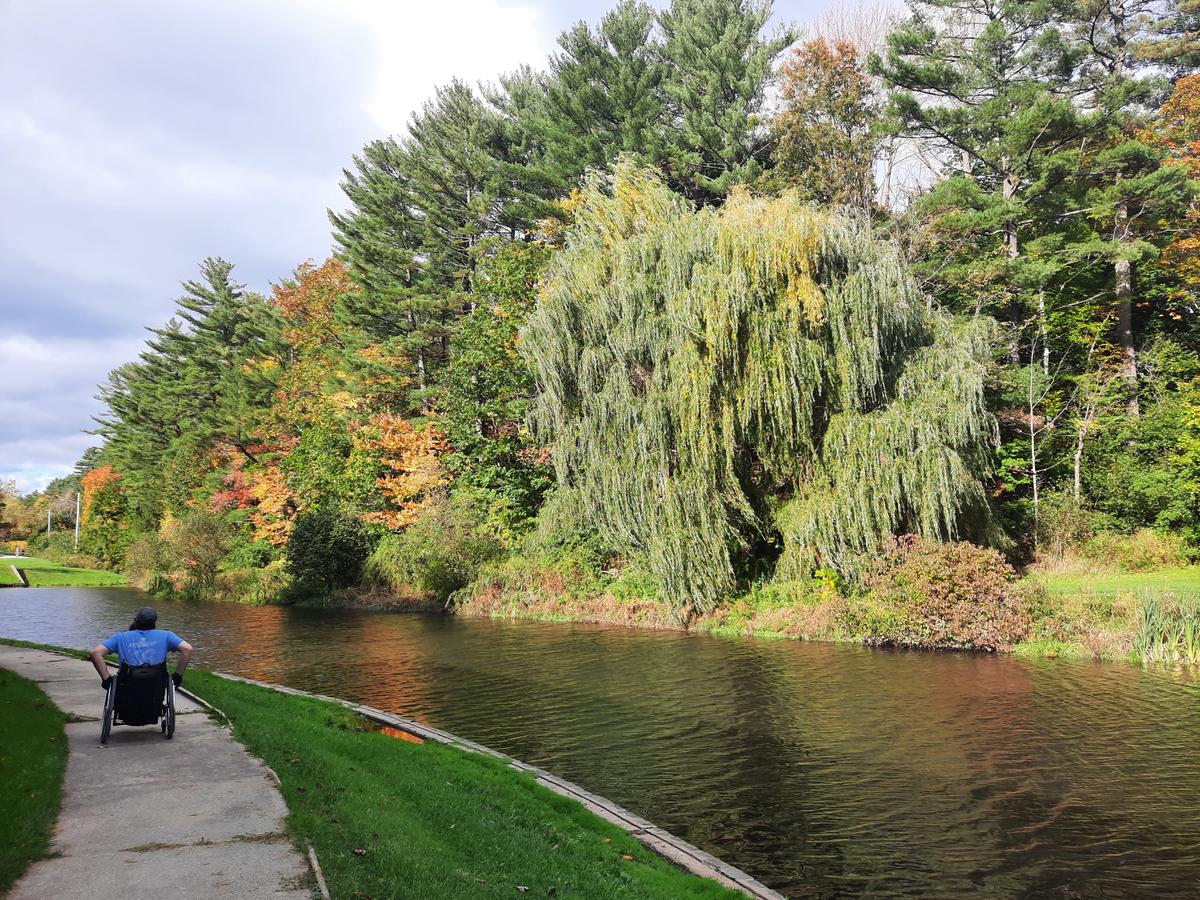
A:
<point x="719" y="66"/>
<point x="603" y="94"/>
<point x="1128" y="186"/>
<point x="399" y="307"/>
<point x="987" y="87"/>
<point x="1174" y="41"/>
<point x="486" y="387"/>
<point x="202" y="380"/>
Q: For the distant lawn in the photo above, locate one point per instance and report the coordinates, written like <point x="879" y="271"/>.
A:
<point x="1184" y="580"/>
<point x="44" y="573"/>
<point x="33" y="757"/>
<point x="391" y="818"/>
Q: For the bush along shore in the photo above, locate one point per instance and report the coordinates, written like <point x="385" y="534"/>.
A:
<point x="922" y="594"/>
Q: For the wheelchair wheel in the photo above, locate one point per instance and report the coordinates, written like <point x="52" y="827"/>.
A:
<point x="110" y="700"/>
<point x="168" y="723"/>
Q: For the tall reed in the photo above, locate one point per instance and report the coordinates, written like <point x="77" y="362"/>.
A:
<point x="1168" y="630"/>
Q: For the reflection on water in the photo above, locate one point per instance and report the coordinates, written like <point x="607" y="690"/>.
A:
<point x="823" y="770"/>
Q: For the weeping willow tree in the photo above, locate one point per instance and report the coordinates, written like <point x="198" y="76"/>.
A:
<point x="764" y="372"/>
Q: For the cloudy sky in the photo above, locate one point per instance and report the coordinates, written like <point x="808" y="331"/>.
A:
<point x="138" y="137"/>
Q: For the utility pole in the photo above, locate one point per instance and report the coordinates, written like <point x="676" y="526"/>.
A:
<point x="48" y="507"/>
<point x="77" y="521"/>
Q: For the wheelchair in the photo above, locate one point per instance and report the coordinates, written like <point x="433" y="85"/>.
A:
<point x="140" y="695"/>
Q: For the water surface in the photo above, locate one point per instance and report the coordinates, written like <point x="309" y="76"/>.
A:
<point x="824" y="770"/>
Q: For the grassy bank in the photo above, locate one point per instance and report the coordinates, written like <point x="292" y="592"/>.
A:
<point x="45" y="573"/>
<point x="33" y="757"/>
<point x="383" y="812"/>
<point x="1075" y="610"/>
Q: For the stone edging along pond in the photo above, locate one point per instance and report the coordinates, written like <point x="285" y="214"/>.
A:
<point x="677" y="850"/>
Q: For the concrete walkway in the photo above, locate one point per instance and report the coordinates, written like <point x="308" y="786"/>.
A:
<point x="196" y="816"/>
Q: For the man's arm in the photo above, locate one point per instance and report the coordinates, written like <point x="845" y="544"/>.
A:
<point x="185" y="656"/>
<point x="98" y="660"/>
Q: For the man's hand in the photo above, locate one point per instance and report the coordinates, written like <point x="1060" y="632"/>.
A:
<point x="105" y="682"/>
<point x="177" y="677"/>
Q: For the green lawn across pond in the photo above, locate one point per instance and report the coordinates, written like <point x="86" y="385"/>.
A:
<point x="45" y="573"/>
<point x="33" y="757"/>
<point x="1182" y="580"/>
<point x="391" y="818"/>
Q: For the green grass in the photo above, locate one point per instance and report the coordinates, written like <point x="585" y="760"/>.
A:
<point x="33" y="757"/>
<point x="433" y="821"/>
<point x="1174" y="580"/>
<point x="45" y="573"/>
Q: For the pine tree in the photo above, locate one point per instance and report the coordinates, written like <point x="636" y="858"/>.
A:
<point x="1174" y="40"/>
<point x="486" y="388"/>
<point x="603" y="94"/>
<point x="203" y="379"/>
<point x="719" y="66"/>
<point x="1129" y="188"/>
<point x="987" y="87"/>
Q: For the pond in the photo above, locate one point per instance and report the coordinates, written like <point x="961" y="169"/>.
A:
<point x="823" y="770"/>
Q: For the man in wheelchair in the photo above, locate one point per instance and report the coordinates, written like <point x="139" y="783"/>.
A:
<point x="141" y="693"/>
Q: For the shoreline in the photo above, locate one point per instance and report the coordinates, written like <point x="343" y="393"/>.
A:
<point x="1080" y="614"/>
<point x="678" y="851"/>
<point x="595" y="815"/>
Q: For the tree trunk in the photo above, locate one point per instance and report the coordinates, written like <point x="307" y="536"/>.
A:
<point x="1033" y="461"/>
<point x="1123" y="292"/>
<point x="1042" y="329"/>
<point x="1010" y="227"/>
<point x="1085" y="425"/>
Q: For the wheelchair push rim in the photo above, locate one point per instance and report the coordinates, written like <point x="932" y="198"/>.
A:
<point x="168" y="722"/>
<point x="110" y="697"/>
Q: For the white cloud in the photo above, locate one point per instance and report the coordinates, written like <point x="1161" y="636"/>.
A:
<point x="46" y="402"/>
<point x="423" y="45"/>
<point x="137" y="137"/>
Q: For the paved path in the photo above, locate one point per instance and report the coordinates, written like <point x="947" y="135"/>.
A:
<point x="196" y="816"/>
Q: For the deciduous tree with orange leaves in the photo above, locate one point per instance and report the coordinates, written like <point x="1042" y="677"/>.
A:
<point x="412" y="460"/>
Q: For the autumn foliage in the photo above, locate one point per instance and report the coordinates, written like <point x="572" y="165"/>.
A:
<point x="93" y="483"/>
<point x="1177" y="131"/>
<point x="412" y="459"/>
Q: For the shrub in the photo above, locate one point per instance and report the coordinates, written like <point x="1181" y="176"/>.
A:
<point x="249" y="555"/>
<point x="1144" y="549"/>
<point x="442" y="551"/>
<point x="959" y="595"/>
<point x="147" y="560"/>
<point x="270" y="583"/>
<point x="195" y="546"/>
<point x="327" y="549"/>
<point x="561" y="532"/>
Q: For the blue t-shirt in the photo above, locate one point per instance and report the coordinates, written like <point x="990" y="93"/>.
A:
<point x="143" y="648"/>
